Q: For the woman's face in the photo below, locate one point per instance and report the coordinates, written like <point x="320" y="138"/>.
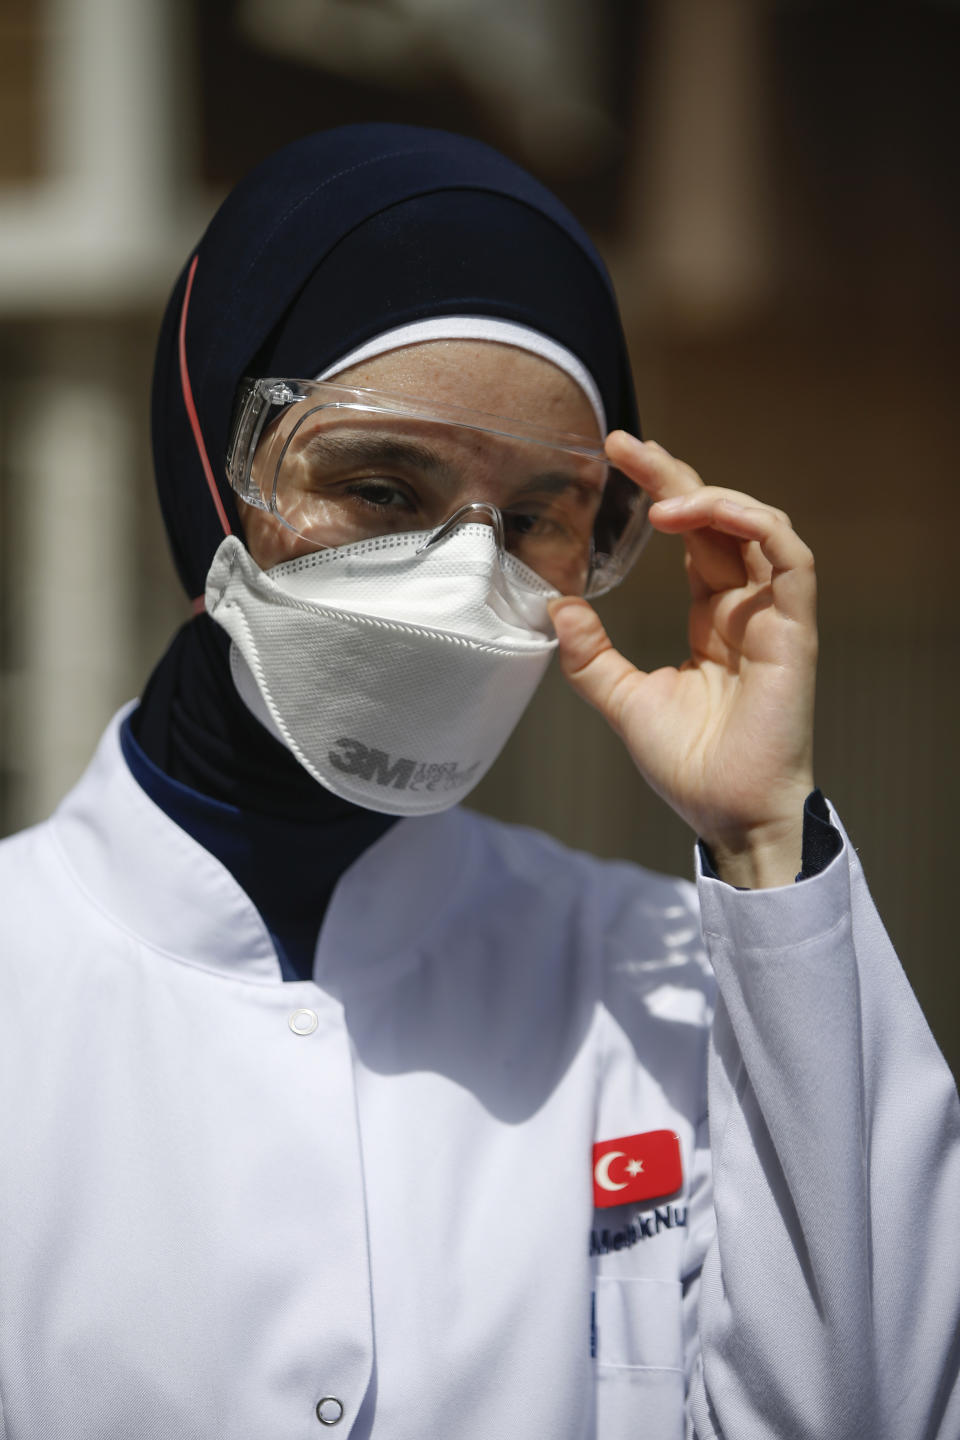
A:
<point x="473" y="374"/>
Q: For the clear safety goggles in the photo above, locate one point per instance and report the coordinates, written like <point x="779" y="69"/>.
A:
<point x="338" y="465"/>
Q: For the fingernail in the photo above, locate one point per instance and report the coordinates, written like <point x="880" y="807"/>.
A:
<point x="675" y="502"/>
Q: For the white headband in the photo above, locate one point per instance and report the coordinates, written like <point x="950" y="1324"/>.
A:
<point x="479" y="327"/>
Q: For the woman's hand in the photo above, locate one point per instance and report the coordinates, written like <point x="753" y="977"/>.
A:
<point x="726" y="739"/>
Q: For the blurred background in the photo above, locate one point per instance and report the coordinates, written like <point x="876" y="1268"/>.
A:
<point x="773" y="183"/>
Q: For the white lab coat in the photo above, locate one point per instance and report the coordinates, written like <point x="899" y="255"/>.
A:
<point x="209" y="1222"/>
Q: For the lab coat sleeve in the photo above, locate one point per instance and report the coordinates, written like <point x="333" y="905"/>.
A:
<point x="829" y="1302"/>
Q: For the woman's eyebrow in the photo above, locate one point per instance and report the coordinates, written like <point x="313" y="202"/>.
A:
<point x="358" y="449"/>
<point x="556" y="482"/>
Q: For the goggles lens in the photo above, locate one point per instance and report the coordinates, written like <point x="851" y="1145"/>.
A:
<point x="338" y="465"/>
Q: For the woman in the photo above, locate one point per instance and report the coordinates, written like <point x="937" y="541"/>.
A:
<point x="332" y="1104"/>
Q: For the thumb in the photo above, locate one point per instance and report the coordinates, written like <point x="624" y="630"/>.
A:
<point x="597" y="672"/>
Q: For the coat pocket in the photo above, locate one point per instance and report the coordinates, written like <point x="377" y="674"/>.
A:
<point x="638" y="1323"/>
<point x="638" y="1345"/>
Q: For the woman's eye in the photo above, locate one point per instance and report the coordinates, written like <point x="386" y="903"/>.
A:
<point x="381" y="493"/>
<point x="524" y="524"/>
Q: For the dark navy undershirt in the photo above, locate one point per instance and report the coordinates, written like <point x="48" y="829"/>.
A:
<point x="287" y="866"/>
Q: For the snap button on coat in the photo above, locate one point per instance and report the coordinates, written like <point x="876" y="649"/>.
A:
<point x="303" y="1022"/>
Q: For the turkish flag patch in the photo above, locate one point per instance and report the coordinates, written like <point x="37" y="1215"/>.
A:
<point x="636" y="1167"/>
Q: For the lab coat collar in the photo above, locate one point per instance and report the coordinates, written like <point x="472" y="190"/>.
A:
<point x="167" y="891"/>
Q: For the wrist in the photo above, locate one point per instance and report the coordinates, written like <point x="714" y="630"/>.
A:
<point x="759" y="857"/>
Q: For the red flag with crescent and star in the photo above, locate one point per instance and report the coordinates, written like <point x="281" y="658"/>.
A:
<point x="636" y="1167"/>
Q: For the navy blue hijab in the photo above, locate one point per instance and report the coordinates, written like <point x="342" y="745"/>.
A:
<point x="328" y="243"/>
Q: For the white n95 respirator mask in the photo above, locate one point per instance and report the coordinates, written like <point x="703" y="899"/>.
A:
<point x="393" y="671"/>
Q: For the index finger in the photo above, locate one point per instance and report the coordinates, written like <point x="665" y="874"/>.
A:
<point x="654" y="469"/>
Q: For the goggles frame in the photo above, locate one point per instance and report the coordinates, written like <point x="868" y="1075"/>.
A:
<point x="261" y="401"/>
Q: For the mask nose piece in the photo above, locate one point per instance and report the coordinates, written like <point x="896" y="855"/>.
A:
<point x="464" y="516"/>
